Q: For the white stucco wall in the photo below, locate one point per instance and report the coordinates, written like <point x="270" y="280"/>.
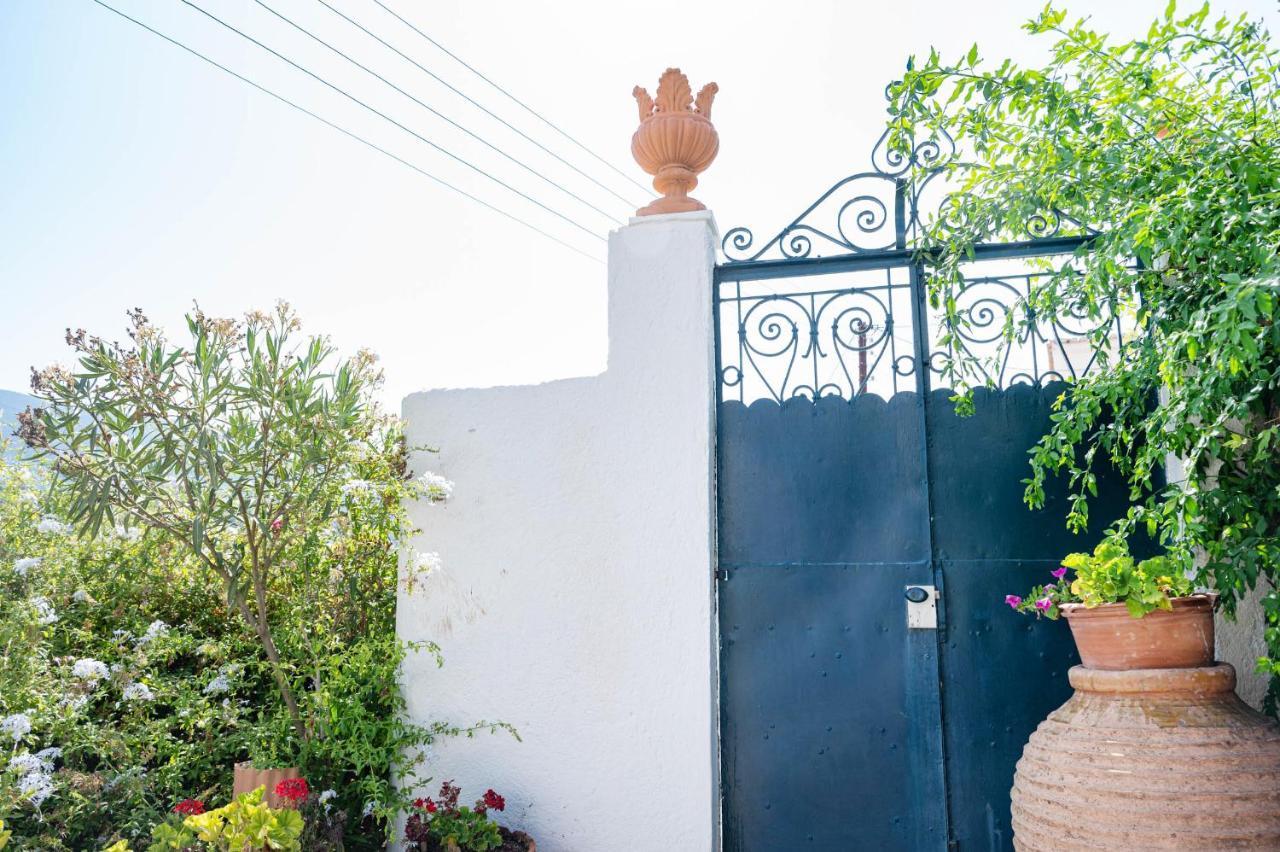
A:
<point x="1240" y="641"/>
<point x="582" y="528"/>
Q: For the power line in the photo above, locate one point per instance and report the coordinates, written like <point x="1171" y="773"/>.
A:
<point x="439" y="114"/>
<point x="386" y="117"/>
<point x="472" y="101"/>
<point x="346" y="132"/>
<point x="521" y="103"/>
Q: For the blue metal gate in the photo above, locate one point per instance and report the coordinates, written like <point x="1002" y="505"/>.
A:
<point x="849" y="488"/>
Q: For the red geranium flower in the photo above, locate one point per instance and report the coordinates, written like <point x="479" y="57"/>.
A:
<point x="189" y="807"/>
<point x="493" y="800"/>
<point x="425" y="805"/>
<point x="293" y="790"/>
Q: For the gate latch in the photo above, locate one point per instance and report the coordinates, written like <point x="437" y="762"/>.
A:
<point x="922" y="607"/>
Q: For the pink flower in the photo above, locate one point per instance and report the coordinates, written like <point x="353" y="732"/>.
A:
<point x="1043" y="604"/>
<point x="1013" y="601"/>
<point x="277" y="525"/>
<point x="1059" y="573"/>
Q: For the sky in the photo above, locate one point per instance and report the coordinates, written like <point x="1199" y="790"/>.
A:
<point x="134" y="174"/>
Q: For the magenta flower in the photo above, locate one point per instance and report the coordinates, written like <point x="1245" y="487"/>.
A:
<point x="1013" y="600"/>
<point x="1060" y="573"/>
<point x="1043" y="604"/>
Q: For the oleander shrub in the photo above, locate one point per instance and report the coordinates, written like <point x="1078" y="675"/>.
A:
<point x="200" y="562"/>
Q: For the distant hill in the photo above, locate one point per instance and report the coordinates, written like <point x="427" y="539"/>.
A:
<point x="12" y="402"/>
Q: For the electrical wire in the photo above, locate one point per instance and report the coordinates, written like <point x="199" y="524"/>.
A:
<point x="472" y="101"/>
<point x="388" y="118"/>
<point x="521" y="103"/>
<point x="439" y="114"/>
<point x="282" y="99"/>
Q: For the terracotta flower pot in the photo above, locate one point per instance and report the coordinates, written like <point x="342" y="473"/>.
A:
<point x="246" y="779"/>
<point x="675" y="141"/>
<point x="1111" y="639"/>
<point x="1150" y="759"/>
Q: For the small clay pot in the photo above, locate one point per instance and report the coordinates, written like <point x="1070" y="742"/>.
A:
<point x="1109" y="638"/>
<point x="246" y="779"/>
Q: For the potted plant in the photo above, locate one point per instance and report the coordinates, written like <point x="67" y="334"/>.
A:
<point x="1125" y="614"/>
<point x="1154" y="746"/>
<point x="246" y="824"/>
<point x="442" y="825"/>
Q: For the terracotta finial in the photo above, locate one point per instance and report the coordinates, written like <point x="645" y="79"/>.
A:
<point x="676" y="140"/>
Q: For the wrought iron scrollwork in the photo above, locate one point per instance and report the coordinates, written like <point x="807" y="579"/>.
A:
<point x="836" y="342"/>
<point x="780" y="340"/>
<point x="867" y="211"/>
<point x="1006" y="342"/>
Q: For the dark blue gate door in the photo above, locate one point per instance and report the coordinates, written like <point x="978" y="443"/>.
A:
<point x="831" y="730"/>
<point x="845" y="480"/>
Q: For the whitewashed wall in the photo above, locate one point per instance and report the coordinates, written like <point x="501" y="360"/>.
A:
<point x="582" y="526"/>
<point x="1239" y="641"/>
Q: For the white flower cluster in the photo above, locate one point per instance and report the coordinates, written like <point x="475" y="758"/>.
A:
<point x="17" y="726"/>
<point x="52" y="526"/>
<point x="22" y="566"/>
<point x="353" y="487"/>
<point x="75" y="702"/>
<point x="325" y="797"/>
<point x="44" y="611"/>
<point x="129" y="534"/>
<point x="218" y="685"/>
<point x="155" y="630"/>
<point x="35" y="774"/>
<point x="81" y="596"/>
<point x="90" y="669"/>
<point x="426" y="564"/>
<point x="138" y="691"/>
<point x="435" y="487"/>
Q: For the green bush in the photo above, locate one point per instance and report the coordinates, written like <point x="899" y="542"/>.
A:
<point x="254" y="616"/>
<point x="1165" y="149"/>
<point x="81" y="624"/>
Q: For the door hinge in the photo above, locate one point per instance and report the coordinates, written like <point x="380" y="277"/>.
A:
<point x="722" y="574"/>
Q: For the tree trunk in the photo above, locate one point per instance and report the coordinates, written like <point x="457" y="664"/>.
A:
<point x="263" y="630"/>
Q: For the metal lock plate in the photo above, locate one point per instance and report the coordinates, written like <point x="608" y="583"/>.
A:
<point x="922" y="607"/>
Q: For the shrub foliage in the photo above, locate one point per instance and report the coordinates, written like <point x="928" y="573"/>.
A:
<point x="1167" y="149"/>
<point x="203" y="570"/>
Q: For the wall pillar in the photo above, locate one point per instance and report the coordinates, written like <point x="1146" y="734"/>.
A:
<point x="577" y="600"/>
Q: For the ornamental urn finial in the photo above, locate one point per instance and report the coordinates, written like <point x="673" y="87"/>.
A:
<point x="676" y="141"/>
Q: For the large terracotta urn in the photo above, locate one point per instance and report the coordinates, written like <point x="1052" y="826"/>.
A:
<point x="1158" y="757"/>
<point x="675" y="141"/>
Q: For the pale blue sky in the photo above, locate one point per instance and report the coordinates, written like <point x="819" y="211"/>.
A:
<point x="133" y="174"/>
